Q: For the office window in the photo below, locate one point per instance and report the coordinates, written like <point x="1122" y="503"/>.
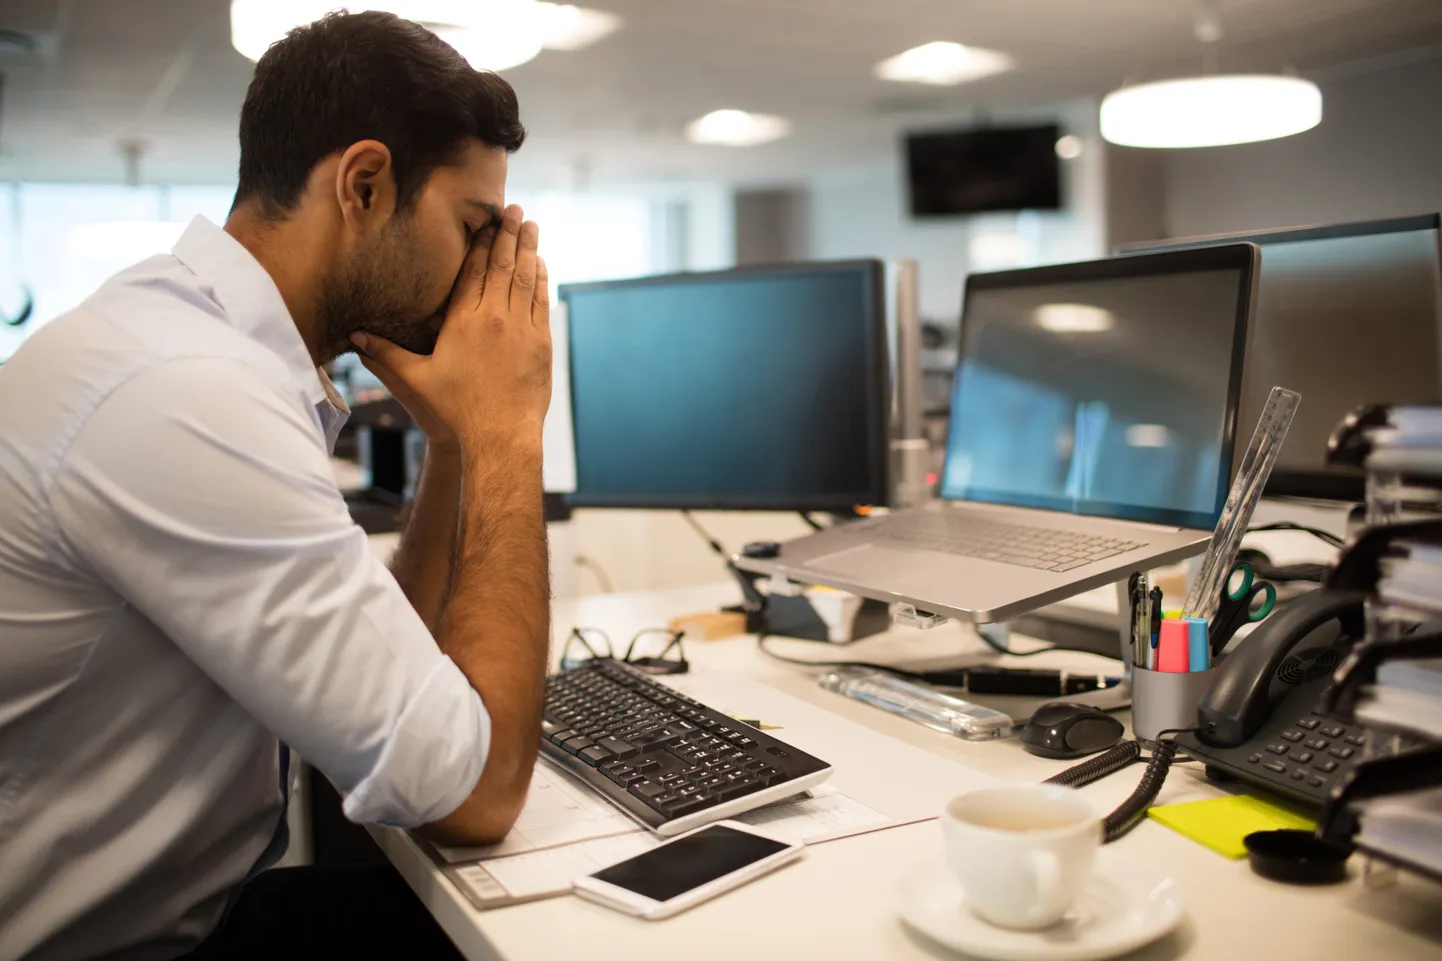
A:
<point x="60" y="242"/>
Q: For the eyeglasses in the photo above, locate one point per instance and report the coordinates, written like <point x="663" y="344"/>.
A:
<point x="596" y="641"/>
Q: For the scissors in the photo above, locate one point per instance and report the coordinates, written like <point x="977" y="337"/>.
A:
<point x="1239" y="605"/>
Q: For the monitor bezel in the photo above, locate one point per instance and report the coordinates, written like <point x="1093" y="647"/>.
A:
<point x="1241" y="257"/>
<point x="1335" y="484"/>
<point x="877" y="430"/>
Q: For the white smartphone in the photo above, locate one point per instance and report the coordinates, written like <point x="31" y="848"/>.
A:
<point x="687" y="870"/>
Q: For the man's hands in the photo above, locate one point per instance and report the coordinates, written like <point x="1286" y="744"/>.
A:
<point x="488" y="383"/>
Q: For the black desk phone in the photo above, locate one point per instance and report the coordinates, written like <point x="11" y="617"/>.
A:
<point x="1261" y="721"/>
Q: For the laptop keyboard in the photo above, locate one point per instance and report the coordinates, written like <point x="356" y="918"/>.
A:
<point x="1037" y="547"/>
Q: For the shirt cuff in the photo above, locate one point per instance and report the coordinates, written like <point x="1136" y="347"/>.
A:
<point x="432" y="759"/>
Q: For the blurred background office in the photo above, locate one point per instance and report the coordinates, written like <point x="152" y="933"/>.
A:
<point x="671" y="135"/>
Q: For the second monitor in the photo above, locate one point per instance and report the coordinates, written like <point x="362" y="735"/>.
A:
<point x="760" y="388"/>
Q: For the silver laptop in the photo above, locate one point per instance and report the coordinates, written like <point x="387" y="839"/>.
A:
<point x="1093" y="420"/>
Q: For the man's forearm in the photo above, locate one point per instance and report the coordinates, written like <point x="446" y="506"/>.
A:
<point x="423" y="563"/>
<point x="496" y="628"/>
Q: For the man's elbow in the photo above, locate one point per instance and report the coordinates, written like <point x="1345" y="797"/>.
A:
<point x="488" y="814"/>
<point x="471" y="827"/>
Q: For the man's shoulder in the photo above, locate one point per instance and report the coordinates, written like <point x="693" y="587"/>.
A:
<point x="144" y="323"/>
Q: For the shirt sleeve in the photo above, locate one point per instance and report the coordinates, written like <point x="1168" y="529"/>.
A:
<point x="205" y="499"/>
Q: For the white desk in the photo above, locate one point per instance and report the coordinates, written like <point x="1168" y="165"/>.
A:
<point x="836" y="903"/>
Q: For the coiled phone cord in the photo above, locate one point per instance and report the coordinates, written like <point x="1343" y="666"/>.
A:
<point x="1133" y="810"/>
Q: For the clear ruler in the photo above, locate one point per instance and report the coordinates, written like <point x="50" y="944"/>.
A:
<point x="1206" y="593"/>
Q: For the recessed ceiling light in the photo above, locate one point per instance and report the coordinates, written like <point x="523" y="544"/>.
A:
<point x="737" y="128"/>
<point x="492" y="35"/>
<point x="1210" y="111"/>
<point x="943" y="62"/>
<point x="567" y="27"/>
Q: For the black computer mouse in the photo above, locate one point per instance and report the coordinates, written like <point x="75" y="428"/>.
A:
<point x="1065" y="730"/>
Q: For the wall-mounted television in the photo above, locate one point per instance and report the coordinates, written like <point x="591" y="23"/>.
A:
<point x="982" y="169"/>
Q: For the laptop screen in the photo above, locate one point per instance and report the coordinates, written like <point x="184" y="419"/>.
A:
<point x="1107" y="388"/>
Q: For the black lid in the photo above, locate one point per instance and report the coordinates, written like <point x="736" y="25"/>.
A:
<point x="1296" y="857"/>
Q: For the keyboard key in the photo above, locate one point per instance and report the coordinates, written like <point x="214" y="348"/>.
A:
<point x="577" y="744"/>
<point x="1342" y="752"/>
<point x="1277" y="748"/>
<point x="646" y="790"/>
<point x="549" y="727"/>
<point x="1291" y="736"/>
<point x="1356" y="739"/>
<point x="1324" y="765"/>
<point x="1301" y="757"/>
<point x="622" y="749"/>
<point x="1310" y="723"/>
<point x="1332" y="730"/>
<point x="1298" y="774"/>
<point x="1318" y="744"/>
<point x="1275" y="766"/>
<point x="594" y="755"/>
<point x="561" y="736"/>
<point x="1318" y="782"/>
<point x="1254" y="759"/>
<point x="683" y="806"/>
<point x="735" y="789"/>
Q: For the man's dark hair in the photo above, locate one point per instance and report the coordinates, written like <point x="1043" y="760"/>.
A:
<point x="364" y="76"/>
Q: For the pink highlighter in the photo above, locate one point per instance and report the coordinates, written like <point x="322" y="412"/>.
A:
<point x="1174" y="647"/>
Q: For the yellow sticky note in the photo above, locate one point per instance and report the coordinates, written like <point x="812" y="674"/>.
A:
<point x="1221" y="823"/>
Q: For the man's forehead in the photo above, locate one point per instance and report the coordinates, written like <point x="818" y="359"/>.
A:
<point x="479" y="176"/>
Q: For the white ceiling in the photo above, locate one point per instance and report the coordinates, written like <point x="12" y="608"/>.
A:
<point x="163" y="71"/>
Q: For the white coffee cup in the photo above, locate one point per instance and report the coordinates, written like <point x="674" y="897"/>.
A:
<point x="1022" y="852"/>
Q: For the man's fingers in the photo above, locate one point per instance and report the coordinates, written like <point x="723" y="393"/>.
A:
<point x="503" y="259"/>
<point x="541" y="303"/>
<point x="472" y="280"/>
<point x="377" y="352"/>
<point x="523" y="284"/>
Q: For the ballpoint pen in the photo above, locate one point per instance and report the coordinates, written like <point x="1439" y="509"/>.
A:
<point x="1156" y="612"/>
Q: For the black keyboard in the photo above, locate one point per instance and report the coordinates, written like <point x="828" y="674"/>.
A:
<point x="957" y="532"/>
<point x="670" y="762"/>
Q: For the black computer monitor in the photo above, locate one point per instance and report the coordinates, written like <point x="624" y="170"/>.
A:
<point x="1346" y="315"/>
<point x="757" y="388"/>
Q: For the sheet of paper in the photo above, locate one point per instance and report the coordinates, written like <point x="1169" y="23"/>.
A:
<point x="548" y="872"/>
<point x="813" y="820"/>
<point x="539" y="874"/>
<point x="560" y="809"/>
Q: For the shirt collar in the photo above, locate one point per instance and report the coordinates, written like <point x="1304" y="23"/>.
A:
<point x="250" y="300"/>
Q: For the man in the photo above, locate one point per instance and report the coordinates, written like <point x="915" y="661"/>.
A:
<point x="183" y="596"/>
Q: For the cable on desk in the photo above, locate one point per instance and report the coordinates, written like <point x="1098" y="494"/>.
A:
<point x="811" y="521"/>
<point x="1133" y="810"/>
<point x="1094" y="769"/>
<point x="1327" y="536"/>
<point x="586" y="563"/>
<point x="1003" y="649"/>
<point x="711" y="541"/>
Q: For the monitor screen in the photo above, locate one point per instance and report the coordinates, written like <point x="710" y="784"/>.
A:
<point x="1346" y="316"/>
<point x="993" y="168"/>
<point x="759" y="388"/>
<point x="1108" y="388"/>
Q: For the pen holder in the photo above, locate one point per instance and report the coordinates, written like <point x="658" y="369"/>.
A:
<point x="1163" y="700"/>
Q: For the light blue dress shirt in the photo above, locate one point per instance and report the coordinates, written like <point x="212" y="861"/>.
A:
<point x="180" y="585"/>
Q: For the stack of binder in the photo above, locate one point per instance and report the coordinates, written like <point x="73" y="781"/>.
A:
<point x="1391" y="805"/>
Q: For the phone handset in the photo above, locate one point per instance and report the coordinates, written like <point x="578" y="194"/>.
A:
<point x="1239" y="701"/>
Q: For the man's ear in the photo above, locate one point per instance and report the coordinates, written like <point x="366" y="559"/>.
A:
<point x="365" y="185"/>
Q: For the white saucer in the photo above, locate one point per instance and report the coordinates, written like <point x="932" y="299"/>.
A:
<point x="1124" y="907"/>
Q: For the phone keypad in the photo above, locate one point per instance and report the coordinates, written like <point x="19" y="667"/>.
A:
<point x="1312" y="745"/>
